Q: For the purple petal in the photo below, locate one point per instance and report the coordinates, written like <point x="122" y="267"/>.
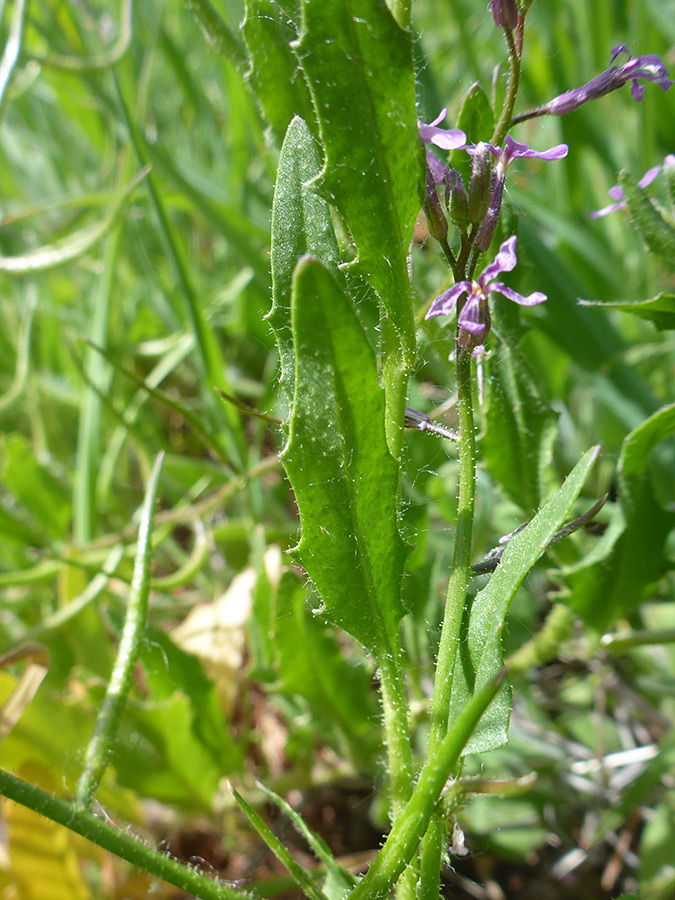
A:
<point x="649" y="66"/>
<point x="445" y="138"/>
<point x="510" y="294"/>
<point x="504" y="261"/>
<point x="618" y="50"/>
<point x="472" y="149"/>
<point x="439" y="118"/>
<point x="516" y="150"/>
<point x="637" y="90"/>
<point x="606" y="210"/>
<point x="469" y="318"/>
<point x="651" y="174"/>
<point x="444" y="304"/>
<point x="448" y="138"/>
<point x="616" y="192"/>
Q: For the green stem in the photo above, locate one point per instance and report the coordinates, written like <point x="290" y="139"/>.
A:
<point x="395" y="371"/>
<point x="515" y="49"/>
<point x="413" y="821"/>
<point x="617" y="643"/>
<point x="399" y="755"/>
<point x="460" y="575"/>
<point x="115" y="840"/>
<point x="397" y="734"/>
<point x="89" y="425"/>
<point x="96" y="758"/>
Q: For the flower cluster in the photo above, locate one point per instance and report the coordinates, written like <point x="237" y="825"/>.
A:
<point x="482" y="203"/>
<point x="475" y="210"/>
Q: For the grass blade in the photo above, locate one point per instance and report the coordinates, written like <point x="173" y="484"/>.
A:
<point x="96" y="758"/>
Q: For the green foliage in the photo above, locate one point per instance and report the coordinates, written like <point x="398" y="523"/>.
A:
<point x="657" y="234"/>
<point x="519" y="427"/>
<point x="359" y="65"/>
<point x="276" y="77"/>
<point x="343" y="476"/>
<point x="611" y="581"/>
<point x="479" y="654"/>
<point x="301" y="225"/>
<point x="127" y="302"/>
<point x="660" y="311"/>
<point x="311" y="666"/>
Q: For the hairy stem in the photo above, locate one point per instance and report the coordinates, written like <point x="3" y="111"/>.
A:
<point x="399" y="755"/>
<point x="515" y="50"/>
<point x="413" y="821"/>
<point x="395" y="708"/>
<point x="116" y="840"/>
<point x="460" y="575"/>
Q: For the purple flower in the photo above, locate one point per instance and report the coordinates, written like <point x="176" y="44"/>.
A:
<point x="616" y="193"/>
<point x="517" y="150"/>
<point x="445" y="138"/>
<point x="504" y="157"/>
<point x="505" y="13"/>
<point x="474" y="315"/>
<point x="649" y="67"/>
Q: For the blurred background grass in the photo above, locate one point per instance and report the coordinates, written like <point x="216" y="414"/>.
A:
<point x="112" y="344"/>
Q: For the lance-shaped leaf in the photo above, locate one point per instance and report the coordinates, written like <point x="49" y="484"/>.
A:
<point x="479" y="657"/>
<point x="301" y="225"/>
<point x="344" y="478"/>
<point x="276" y="76"/>
<point x="359" y="65"/>
<point x="520" y="428"/>
<point x="610" y="582"/>
<point x="660" y="310"/>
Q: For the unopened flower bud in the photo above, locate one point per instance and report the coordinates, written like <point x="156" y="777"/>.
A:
<point x="481" y="319"/>
<point x="479" y="187"/>
<point x="649" y="67"/>
<point x="438" y="224"/>
<point x="489" y="225"/>
<point x="456" y="199"/>
<point x="505" y="13"/>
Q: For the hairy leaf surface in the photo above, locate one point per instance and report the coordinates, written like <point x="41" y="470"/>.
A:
<point x="359" y="64"/>
<point x="301" y="225"/>
<point x="344" y="478"/>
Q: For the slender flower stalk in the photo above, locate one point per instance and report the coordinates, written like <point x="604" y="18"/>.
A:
<point x="515" y="45"/>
